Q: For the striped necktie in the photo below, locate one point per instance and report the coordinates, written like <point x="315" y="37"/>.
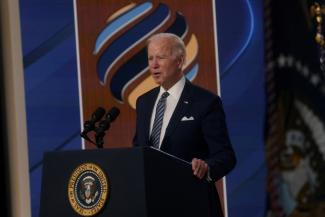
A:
<point x="156" y="129"/>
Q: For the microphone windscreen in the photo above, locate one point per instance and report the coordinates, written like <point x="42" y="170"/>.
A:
<point x="98" y="114"/>
<point x="112" y="114"/>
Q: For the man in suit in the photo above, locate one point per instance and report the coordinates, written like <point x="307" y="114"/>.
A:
<point x="180" y="118"/>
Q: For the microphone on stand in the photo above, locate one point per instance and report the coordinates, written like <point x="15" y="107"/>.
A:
<point x="104" y="125"/>
<point x="90" y="124"/>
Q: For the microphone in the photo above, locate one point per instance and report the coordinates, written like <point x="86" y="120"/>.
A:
<point x="105" y="124"/>
<point x="90" y="125"/>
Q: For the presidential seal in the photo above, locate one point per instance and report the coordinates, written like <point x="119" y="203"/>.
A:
<point x="88" y="189"/>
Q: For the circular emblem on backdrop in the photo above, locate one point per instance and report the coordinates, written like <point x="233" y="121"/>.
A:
<point x="88" y="189"/>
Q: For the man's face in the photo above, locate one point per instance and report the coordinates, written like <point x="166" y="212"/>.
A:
<point x="165" y="67"/>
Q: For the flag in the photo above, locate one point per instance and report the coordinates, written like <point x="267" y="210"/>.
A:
<point x="295" y="117"/>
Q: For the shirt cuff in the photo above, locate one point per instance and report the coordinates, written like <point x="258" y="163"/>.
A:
<point x="208" y="177"/>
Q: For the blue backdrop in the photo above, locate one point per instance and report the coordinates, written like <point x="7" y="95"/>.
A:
<point x="52" y="104"/>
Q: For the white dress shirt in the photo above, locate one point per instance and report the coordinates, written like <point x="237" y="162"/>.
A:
<point x="171" y="102"/>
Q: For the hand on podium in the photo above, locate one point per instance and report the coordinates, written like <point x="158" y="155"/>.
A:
<point x="200" y="168"/>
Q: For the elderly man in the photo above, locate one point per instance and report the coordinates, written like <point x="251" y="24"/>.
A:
<point x="180" y="118"/>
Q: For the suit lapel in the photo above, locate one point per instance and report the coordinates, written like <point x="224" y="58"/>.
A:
<point x="182" y="107"/>
<point x="150" y="102"/>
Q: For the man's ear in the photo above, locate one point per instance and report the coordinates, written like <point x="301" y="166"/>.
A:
<point x="181" y="61"/>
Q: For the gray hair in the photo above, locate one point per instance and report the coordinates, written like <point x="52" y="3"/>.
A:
<point x="178" y="46"/>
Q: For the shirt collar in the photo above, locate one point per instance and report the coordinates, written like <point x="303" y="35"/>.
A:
<point x="176" y="90"/>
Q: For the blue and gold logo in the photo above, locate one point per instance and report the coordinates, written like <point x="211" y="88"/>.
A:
<point x="120" y="48"/>
<point x="88" y="189"/>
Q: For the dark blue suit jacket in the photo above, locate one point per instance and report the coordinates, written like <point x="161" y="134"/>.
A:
<point x="205" y="137"/>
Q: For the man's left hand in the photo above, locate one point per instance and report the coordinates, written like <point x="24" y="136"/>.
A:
<point x="199" y="167"/>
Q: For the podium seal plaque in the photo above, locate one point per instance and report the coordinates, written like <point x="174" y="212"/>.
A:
<point x="88" y="189"/>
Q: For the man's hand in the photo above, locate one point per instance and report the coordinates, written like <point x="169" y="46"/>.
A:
<point x="199" y="167"/>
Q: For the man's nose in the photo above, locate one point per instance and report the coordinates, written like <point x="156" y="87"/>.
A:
<point x="154" y="63"/>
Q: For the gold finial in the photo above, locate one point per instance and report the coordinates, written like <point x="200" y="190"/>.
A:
<point x="318" y="11"/>
<point x="319" y="39"/>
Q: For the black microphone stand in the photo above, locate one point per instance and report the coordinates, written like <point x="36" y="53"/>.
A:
<point x="102" y="126"/>
<point x="83" y="135"/>
<point x="100" y="132"/>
